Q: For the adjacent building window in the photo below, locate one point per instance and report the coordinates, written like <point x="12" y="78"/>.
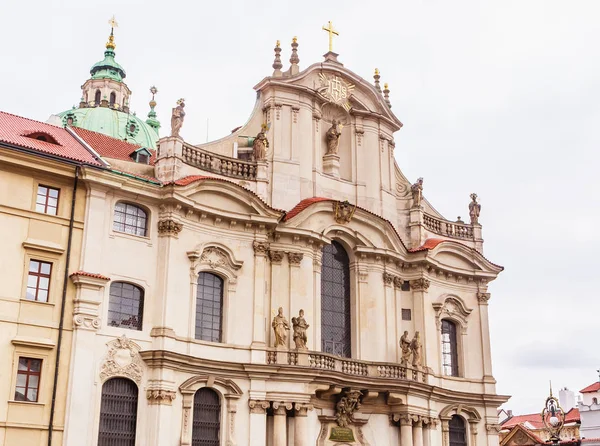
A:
<point x="28" y="379"/>
<point x="209" y="307"/>
<point x="130" y="219"/>
<point x="458" y="431"/>
<point x="113" y="98"/>
<point x="118" y="413"/>
<point x="449" y="348"/>
<point x="47" y="200"/>
<point x="207" y="418"/>
<point x="406" y="314"/>
<point x="335" y="301"/>
<point x="38" y="280"/>
<point x="125" y="306"/>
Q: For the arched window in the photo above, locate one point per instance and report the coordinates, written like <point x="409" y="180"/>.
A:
<point x="118" y="413"/>
<point x="206" y="427"/>
<point x="125" y="306"/>
<point x="458" y="431"/>
<point x="335" y="301"/>
<point x="449" y="348"/>
<point x="97" y="97"/>
<point x="209" y="307"/>
<point x="113" y="98"/>
<point x="594" y="400"/>
<point x="130" y="219"/>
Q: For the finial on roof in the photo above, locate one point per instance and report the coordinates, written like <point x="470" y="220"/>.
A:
<point x="152" y="121"/>
<point x="376" y="76"/>
<point x="110" y="45"/>
<point x="277" y="62"/>
<point x="332" y="32"/>
<point x="386" y="95"/>
<point x="294" y="59"/>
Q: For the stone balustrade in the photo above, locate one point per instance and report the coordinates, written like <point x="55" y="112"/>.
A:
<point x="220" y="164"/>
<point x="346" y="366"/>
<point x="447" y="228"/>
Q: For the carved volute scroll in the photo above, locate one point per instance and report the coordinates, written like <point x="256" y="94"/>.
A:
<point x="215" y="257"/>
<point x="122" y="359"/>
<point x="451" y="307"/>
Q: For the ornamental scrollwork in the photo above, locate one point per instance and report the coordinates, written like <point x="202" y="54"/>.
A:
<point x="122" y="359"/>
<point x="169" y="227"/>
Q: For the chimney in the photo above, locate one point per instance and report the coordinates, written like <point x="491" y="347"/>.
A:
<point x="566" y="398"/>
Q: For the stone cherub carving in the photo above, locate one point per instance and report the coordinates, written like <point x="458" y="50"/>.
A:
<point x="260" y="145"/>
<point x="280" y="326"/>
<point x="406" y="350"/>
<point x="417" y="192"/>
<point x="474" y="209"/>
<point x="416" y="348"/>
<point x="333" y="138"/>
<point x="177" y="117"/>
<point x="300" y="326"/>
<point x="346" y="406"/>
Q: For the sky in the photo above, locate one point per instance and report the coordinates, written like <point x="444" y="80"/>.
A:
<point x="497" y="97"/>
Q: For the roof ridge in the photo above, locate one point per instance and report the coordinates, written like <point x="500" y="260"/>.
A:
<point x="137" y="146"/>
<point x="32" y="120"/>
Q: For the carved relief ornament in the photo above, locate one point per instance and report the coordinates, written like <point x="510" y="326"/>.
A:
<point x="122" y="359"/>
<point x="421" y="284"/>
<point x="169" y="227"/>
<point x="216" y="257"/>
<point x="160" y="396"/>
<point x="335" y="90"/>
<point x="260" y="248"/>
<point x="275" y="256"/>
<point x="343" y="211"/>
<point x="295" y="258"/>
<point x="451" y="307"/>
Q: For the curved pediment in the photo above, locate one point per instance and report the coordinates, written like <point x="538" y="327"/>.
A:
<point x="459" y="257"/>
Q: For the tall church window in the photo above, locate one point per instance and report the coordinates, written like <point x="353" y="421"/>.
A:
<point x="449" y="348"/>
<point x="125" y="306"/>
<point x="206" y="426"/>
<point x="113" y="98"/>
<point x="97" y="97"/>
<point x="209" y="307"/>
<point x="335" y="301"/>
<point x="130" y="219"/>
<point x="458" y="431"/>
<point x="118" y="413"/>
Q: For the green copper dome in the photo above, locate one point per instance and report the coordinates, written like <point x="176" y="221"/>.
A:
<point x="108" y="68"/>
<point x="117" y="124"/>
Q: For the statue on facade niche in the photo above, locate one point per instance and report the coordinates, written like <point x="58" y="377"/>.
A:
<point x="417" y="192"/>
<point x="260" y="145"/>
<point x="416" y="348"/>
<point x="177" y="117"/>
<point x="346" y="406"/>
<point x="474" y="209"/>
<point x="300" y="326"/>
<point x="280" y="326"/>
<point x="405" y="348"/>
<point x="333" y="138"/>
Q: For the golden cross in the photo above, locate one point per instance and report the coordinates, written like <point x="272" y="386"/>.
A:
<point x="113" y="23"/>
<point x="331" y="32"/>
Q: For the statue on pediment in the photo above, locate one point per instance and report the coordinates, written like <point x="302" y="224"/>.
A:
<point x="333" y="138"/>
<point x="417" y="192"/>
<point x="300" y="326"/>
<point x="474" y="209"/>
<point x="417" y="353"/>
<point x="260" y="146"/>
<point x="177" y="118"/>
<point x="406" y="351"/>
<point x="280" y="326"/>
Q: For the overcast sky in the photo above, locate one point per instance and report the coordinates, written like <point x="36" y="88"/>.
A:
<point x="497" y="97"/>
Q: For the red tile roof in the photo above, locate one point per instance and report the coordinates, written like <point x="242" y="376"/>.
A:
<point x="14" y="128"/>
<point x="303" y="205"/>
<point x="430" y="243"/>
<point x="534" y="419"/>
<point x="110" y="147"/>
<point x="86" y="274"/>
<point x="591" y="388"/>
<point x="573" y="416"/>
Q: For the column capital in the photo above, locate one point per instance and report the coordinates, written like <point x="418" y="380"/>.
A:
<point x="483" y="298"/>
<point x="160" y="396"/>
<point x="405" y="419"/>
<point x="280" y="407"/>
<point x="420" y="284"/>
<point x="169" y="227"/>
<point x="258" y="406"/>
<point x="295" y="258"/>
<point x="302" y="409"/>
<point x="275" y="256"/>
<point x="260" y="248"/>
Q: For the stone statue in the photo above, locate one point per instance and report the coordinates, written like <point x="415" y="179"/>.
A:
<point x="406" y="350"/>
<point x="300" y="326"/>
<point x="280" y="326"/>
<point x="260" y="146"/>
<point x="416" y="348"/>
<point x="177" y="118"/>
<point x="346" y="406"/>
<point x="474" y="209"/>
<point x="333" y="138"/>
<point x="417" y="192"/>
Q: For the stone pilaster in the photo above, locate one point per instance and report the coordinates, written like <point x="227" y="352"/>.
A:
<point x="417" y="432"/>
<point x="301" y="424"/>
<point x="259" y="326"/>
<point x="258" y="422"/>
<point x="406" y="435"/>
<point x="279" y="423"/>
<point x="390" y="319"/>
<point x="486" y="354"/>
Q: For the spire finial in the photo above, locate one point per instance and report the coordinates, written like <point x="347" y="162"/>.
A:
<point x="376" y="76"/>
<point x="110" y="45"/>
<point x="152" y="121"/>
<point x="294" y="59"/>
<point x="332" y="32"/>
<point x="277" y="62"/>
<point x="550" y="387"/>
<point x="386" y="94"/>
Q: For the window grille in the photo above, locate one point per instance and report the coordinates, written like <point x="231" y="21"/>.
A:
<point x="206" y="426"/>
<point x="335" y="301"/>
<point x="449" y="348"/>
<point x="130" y="219"/>
<point x="209" y="307"/>
<point x="406" y="314"/>
<point x="126" y="306"/>
<point x="118" y="413"/>
<point x="458" y="431"/>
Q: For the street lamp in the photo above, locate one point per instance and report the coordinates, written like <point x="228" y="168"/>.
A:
<point x="553" y="418"/>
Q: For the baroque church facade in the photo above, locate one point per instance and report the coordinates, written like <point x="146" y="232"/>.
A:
<point x="283" y="285"/>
